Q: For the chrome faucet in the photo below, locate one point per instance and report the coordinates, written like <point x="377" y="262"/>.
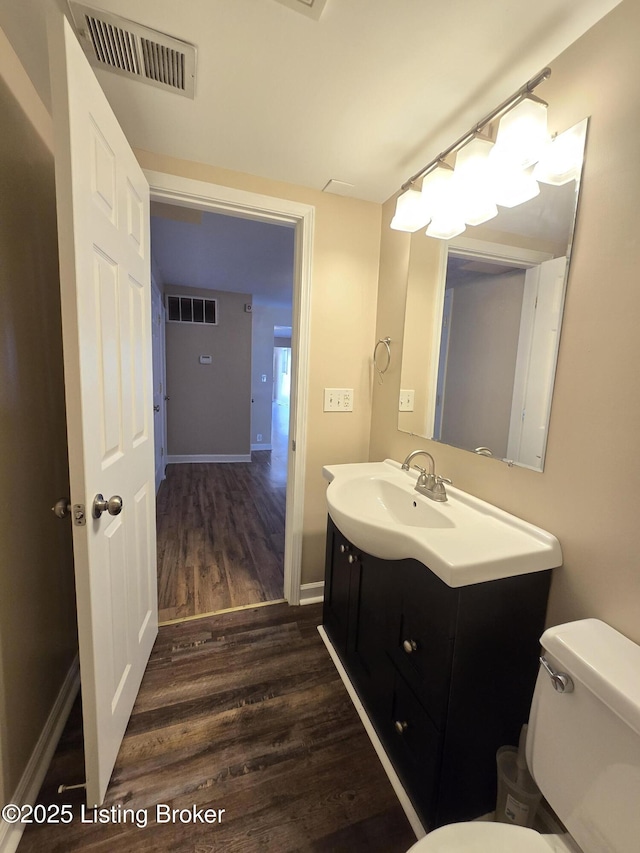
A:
<point x="428" y="484"/>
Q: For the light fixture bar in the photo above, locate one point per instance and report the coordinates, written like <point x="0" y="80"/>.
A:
<point x="522" y="92"/>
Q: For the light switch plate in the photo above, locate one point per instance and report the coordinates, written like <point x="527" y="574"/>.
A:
<point x="406" y="399"/>
<point x="338" y="399"/>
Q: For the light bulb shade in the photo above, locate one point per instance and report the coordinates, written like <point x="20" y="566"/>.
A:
<point x="410" y="214"/>
<point x="513" y="186"/>
<point x="472" y="178"/>
<point x="522" y="133"/>
<point x="561" y="160"/>
<point x="438" y="192"/>
<point x="446" y="227"/>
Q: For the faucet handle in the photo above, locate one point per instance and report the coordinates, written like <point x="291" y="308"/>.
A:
<point x="439" y="493"/>
<point x="423" y="477"/>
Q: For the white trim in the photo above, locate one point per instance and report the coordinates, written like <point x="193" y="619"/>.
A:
<point x="207" y="457"/>
<point x="436" y="337"/>
<point x="312" y="593"/>
<point x="261" y="447"/>
<point x="35" y="771"/>
<point x="469" y="247"/>
<point x="398" y="787"/>
<point x="191" y="193"/>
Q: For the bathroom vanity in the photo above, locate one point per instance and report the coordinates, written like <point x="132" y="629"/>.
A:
<point x="446" y="673"/>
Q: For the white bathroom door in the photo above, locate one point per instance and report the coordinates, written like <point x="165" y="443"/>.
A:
<point x="536" y="361"/>
<point x="103" y="223"/>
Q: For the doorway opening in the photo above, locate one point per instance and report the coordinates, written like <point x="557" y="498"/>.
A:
<point x="246" y="515"/>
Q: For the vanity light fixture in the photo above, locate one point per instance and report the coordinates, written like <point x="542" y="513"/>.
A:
<point x="474" y="180"/>
<point x="522" y="133"/>
<point x="440" y="201"/>
<point x="486" y="173"/>
<point x="410" y="214"/>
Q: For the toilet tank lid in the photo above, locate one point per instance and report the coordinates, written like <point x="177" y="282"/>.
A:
<point x="602" y="659"/>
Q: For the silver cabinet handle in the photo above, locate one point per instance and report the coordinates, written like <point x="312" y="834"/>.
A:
<point x="410" y="646"/>
<point x="401" y="726"/>
<point x="344" y="549"/>
<point x="156" y="408"/>
<point x="113" y="506"/>
<point x="352" y="558"/>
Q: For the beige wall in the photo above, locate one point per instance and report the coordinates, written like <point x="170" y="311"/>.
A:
<point x="265" y="317"/>
<point x="589" y="492"/>
<point x="209" y="408"/>
<point x="37" y="601"/>
<point x="346" y="250"/>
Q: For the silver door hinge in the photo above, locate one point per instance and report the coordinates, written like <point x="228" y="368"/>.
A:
<point x="293" y="444"/>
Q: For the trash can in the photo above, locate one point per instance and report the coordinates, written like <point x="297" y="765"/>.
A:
<point x="518" y="795"/>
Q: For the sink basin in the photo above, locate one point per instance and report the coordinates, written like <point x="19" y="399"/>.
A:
<point x="463" y="541"/>
<point x="391" y="502"/>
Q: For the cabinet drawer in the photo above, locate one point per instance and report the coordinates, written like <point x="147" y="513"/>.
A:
<point x="426" y="666"/>
<point x="416" y="748"/>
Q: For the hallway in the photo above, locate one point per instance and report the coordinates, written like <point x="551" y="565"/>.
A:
<point x="220" y="531"/>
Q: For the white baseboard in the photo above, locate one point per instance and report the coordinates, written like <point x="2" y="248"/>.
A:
<point x="261" y="447"/>
<point x="208" y="457"/>
<point x="398" y="787"/>
<point x="312" y="593"/>
<point x="34" y="773"/>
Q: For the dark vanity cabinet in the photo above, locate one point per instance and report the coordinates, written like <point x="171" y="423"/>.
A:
<point x="445" y="674"/>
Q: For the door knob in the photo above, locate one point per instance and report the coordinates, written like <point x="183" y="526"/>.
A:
<point x="61" y="508"/>
<point x="113" y="506"/>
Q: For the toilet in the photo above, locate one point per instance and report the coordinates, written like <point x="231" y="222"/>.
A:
<point x="583" y="750"/>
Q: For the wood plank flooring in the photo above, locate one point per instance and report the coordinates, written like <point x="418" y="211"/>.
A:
<point x="220" y="536"/>
<point x="244" y="712"/>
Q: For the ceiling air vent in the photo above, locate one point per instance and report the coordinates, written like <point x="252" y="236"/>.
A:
<point x="124" y="47"/>
<point x="310" y="8"/>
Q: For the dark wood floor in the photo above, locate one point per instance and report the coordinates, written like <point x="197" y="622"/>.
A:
<point x="244" y="712"/>
<point x="221" y="535"/>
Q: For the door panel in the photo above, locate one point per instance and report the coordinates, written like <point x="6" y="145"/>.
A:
<point x="103" y="223"/>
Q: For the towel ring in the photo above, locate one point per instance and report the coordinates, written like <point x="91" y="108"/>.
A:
<point x="381" y="371"/>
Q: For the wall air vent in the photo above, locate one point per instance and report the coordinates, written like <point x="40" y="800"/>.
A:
<point x="191" y="309"/>
<point x="133" y="50"/>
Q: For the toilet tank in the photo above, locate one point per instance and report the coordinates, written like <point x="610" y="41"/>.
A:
<point x="583" y="746"/>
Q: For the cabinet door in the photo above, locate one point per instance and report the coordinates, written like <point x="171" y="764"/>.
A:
<point x="424" y="649"/>
<point x="337" y="588"/>
<point x="376" y="624"/>
<point x="416" y="750"/>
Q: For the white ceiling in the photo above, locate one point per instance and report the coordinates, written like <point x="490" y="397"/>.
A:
<point x="197" y="249"/>
<point x="366" y="95"/>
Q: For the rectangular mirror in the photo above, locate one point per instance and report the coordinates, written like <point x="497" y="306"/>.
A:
<point x="482" y="324"/>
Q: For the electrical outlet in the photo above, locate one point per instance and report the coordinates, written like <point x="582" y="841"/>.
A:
<point x="406" y="400"/>
<point x="338" y="399"/>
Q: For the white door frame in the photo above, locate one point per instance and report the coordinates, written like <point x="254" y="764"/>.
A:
<point x="248" y="205"/>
